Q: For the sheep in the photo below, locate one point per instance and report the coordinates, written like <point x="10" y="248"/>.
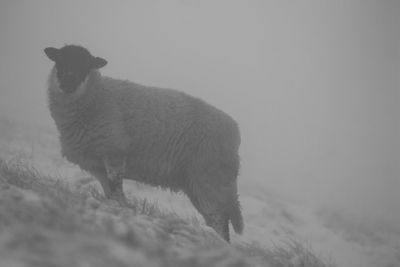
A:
<point x="117" y="129"/>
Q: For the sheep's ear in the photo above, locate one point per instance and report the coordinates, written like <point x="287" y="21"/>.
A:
<point x="98" y="62"/>
<point x="52" y="53"/>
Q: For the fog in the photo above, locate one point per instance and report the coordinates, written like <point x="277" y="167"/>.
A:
<point x="314" y="85"/>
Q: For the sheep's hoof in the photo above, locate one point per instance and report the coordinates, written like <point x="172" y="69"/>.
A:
<point x="120" y="199"/>
<point x="112" y="202"/>
<point x="220" y="224"/>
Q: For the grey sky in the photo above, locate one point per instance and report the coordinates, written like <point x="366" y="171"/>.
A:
<point x="314" y="85"/>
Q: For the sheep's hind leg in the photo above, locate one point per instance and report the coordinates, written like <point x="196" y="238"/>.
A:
<point x="219" y="222"/>
<point x="210" y="204"/>
<point x="116" y="168"/>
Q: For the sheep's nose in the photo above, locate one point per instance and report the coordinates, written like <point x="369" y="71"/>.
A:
<point x="68" y="74"/>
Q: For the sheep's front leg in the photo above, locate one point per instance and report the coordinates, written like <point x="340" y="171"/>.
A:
<point x="116" y="169"/>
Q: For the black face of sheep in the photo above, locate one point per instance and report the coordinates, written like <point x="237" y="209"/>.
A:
<point x="73" y="64"/>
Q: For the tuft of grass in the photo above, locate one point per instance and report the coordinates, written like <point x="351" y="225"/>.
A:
<point x="292" y="253"/>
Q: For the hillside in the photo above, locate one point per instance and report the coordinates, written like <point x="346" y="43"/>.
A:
<point x="53" y="214"/>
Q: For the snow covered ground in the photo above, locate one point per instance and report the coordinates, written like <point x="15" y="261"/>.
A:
<point x="270" y="219"/>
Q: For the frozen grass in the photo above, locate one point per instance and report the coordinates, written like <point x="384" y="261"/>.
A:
<point x="292" y="253"/>
<point x="45" y="222"/>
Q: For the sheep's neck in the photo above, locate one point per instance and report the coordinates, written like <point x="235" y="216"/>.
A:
<point x="72" y="113"/>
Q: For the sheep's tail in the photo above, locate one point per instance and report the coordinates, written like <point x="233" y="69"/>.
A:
<point x="235" y="217"/>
